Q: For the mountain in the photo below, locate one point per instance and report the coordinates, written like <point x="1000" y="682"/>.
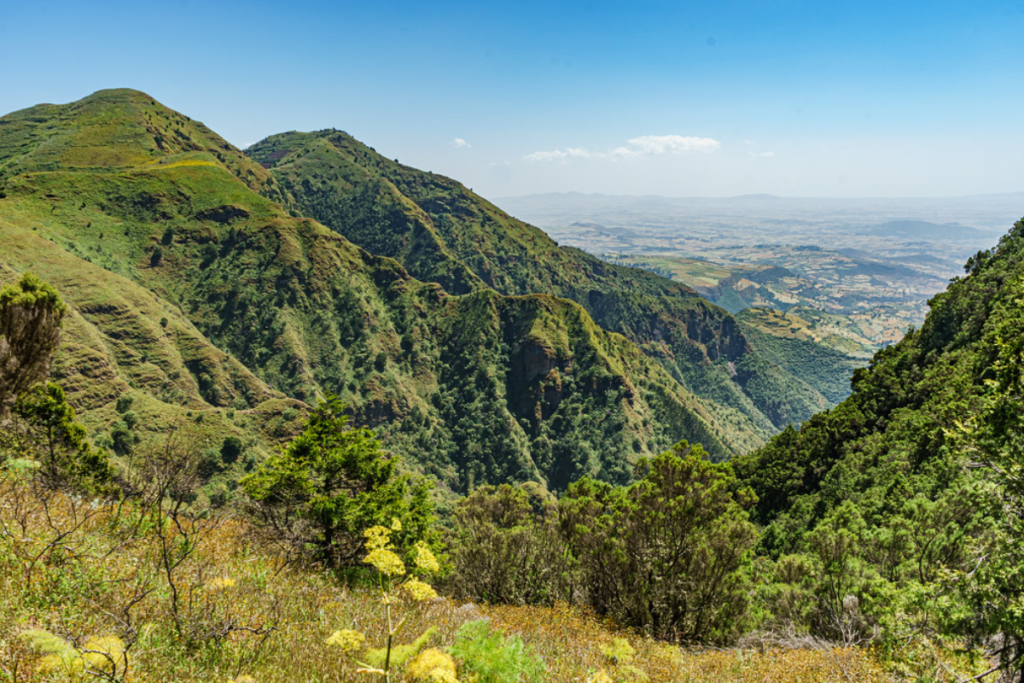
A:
<point x="442" y="232"/>
<point x="195" y="292"/>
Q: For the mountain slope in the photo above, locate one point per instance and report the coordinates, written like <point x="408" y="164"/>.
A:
<point x="442" y="232"/>
<point x="892" y="447"/>
<point x="204" y="295"/>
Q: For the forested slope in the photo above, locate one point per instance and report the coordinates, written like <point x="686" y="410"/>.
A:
<point x="442" y="232"/>
<point x="205" y="297"/>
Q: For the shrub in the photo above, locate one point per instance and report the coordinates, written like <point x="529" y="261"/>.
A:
<point x="329" y="484"/>
<point x="494" y="658"/>
<point x="504" y="552"/>
<point x="667" y="553"/>
<point x="31" y="312"/>
<point x="46" y="430"/>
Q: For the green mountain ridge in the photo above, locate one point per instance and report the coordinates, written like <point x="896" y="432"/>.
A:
<point x="896" y="442"/>
<point x="442" y="232"/>
<point x="191" y="287"/>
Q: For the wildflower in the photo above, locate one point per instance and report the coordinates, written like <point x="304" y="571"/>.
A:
<point x="419" y="591"/>
<point x="346" y="639"/>
<point x="386" y="562"/>
<point x="221" y="583"/>
<point x="243" y="679"/>
<point x="396" y="524"/>
<point x="104" y="653"/>
<point x="377" y="538"/>
<point x="425" y="559"/>
<point x="432" y="666"/>
<point x="600" y="677"/>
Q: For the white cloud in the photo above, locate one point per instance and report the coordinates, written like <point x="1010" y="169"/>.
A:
<point x="674" y="144"/>
<point x="561" y="155"/>
<point x="748" y="142"/>
<point x="645" y="145"/>
<point x="761" y="154"/>
<point x="461" y="144"/>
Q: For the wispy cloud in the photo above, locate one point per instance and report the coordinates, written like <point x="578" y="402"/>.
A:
<point x="461" y="144"/>
<point x="645" y="145"/>
<point x="761" y="154"/>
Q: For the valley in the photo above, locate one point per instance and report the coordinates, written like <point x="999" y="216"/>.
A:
<point x="853" y="274"/>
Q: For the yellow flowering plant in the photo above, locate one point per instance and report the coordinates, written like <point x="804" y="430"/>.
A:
<point x="396" y="582"/>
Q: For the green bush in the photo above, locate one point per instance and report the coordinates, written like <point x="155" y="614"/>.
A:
<point x="329" y="484"/>
<point x="504" y="552"/>
<point x="494" y="658"/>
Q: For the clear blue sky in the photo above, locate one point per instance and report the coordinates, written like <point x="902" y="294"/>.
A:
<point x="719" y="98"/>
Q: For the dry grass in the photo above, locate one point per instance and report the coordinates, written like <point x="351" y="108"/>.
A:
<point x="83" y="569"/>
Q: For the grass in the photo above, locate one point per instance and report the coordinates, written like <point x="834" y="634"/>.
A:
<point x="242" y="611"/>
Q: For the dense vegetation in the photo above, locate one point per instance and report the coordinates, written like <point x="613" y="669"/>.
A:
<point x="143" y="580"/>
<point x="207" y="304"/>
<point x="192" y="508"/>
<point x="442" y="232"/>
<point x="900" y="508"/>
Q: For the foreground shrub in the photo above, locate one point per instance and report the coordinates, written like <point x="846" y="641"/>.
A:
<point x="505" y="553"/>
<point x="494" y="658"/>
<point x="667" y="554"/>
<point x="329" y="484"/>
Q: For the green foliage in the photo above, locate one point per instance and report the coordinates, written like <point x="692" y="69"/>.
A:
<point x="399" y="654"/>
<point x="668" y="553"/>
<point x="505" y="550"/>
<point x="31" y="312"/>
<point x="329" y="484"/>
<point x="495" y="658"/>
<point x="45" y="428"/>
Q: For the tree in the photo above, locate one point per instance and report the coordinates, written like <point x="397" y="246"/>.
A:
<point x="31" y="312"/>
<point x="319" y="493"/>
<point x="46" y="430"/>
<point x="667" y="553"/>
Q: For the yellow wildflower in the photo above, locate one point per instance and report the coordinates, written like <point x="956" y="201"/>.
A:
<point x="243" y="679"/>
<point x="377" y="538"/>
<point x="419" y="591"/>
<point x="432" y="666"/>
<point x="347" y="639"/>
<point x="425" y="559"/>
<point x="396" y="524"/>
<point x="600" y="677"/>
<point x="386" y="562"/>
<point x="104" y="653"/>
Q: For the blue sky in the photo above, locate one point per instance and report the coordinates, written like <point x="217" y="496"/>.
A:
<point x="684" y="99"/>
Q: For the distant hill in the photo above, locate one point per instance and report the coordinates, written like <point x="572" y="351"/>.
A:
<point x="924" y="230"/>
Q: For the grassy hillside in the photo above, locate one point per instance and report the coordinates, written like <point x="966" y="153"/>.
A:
<point x="250" y="617"/>
<point x="202" y="295"/>
<point x="442" y="232"/>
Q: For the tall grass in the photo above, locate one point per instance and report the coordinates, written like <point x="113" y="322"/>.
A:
<point x="84" y="570"/>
